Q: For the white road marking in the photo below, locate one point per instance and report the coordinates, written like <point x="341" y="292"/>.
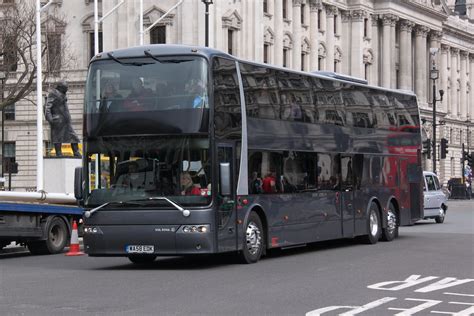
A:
<point x="412" y="280"/>
<point x="465" y="312"/>
<point x="459" y="294"/>
<point x="354" y="309"/>
<point x="442" y="284"/>
<point x="415" y="309"/>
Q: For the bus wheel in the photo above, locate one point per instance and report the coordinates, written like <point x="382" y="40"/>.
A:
<point x="142" y="259"/>
<point x="373" y="225"/>
<point x="254" y="239"/>
<point x="390" y="232"/>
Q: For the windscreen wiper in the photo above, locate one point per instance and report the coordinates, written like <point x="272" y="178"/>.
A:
<point x="88" y="214"/>
<point x="134" y="63"/>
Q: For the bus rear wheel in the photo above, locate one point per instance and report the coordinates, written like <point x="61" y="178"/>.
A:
<point x="374" y="226"/>
<point x="253" y="239"/>
<point x="390" y="232"/>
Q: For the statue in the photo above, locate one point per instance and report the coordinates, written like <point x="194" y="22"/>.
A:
<point x="58" y="116"/>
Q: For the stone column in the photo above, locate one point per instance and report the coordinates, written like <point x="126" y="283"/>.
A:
<point x="313" y="35"/>
<point x="406" y="28"/>
<point x="374" y="38"/>
<point x="296" y="23"/>
<point x="421" y="74"/>
<point x="346" y="41"/>
<point x="386" y="51"/>
<point x="470" y="108"/>
<point x="463" y="77"/>
<point x="278" y="27"/>
<point x="330" y="12"/>
<point x="443" y="76"/>
<point x="357" y="39"/>
<point x="394" y="56"/>
<point x="454" y="82"/>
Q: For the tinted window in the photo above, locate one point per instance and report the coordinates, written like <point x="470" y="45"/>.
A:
<point x="227" y="114"/>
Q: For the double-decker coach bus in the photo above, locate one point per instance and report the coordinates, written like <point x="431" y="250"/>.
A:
<point x="188" y="150"/>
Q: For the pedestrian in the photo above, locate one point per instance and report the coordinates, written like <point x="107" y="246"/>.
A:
<point x="58" y="116"/>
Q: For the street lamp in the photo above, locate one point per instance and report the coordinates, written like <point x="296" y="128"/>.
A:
<point x="207" y="3"/>
<point x="434" y="75"/>
<point x="2" y="78"/>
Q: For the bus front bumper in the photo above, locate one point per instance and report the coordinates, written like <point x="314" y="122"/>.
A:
<point x="159" y="240"/>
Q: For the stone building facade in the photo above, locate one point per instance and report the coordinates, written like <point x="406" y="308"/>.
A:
<point x="388" y="42"/>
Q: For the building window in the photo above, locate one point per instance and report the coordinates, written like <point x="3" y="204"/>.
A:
<point x="302" y="13"/>
<point x="54" y="52"/>
<point x="397" y="35"/>
<point x="335" y="66"/>
<point x="366" y="71"/>
<point x="10" y="57"/>
<point x="303" y="57"/>
<point x="335" y="24"/>
<point x="265" y="6"/>
<point x="320" y="13"/>
<point x="285" y="57"/>
<point x="158" y="35"/>
<point x="9" y="112"/>
<point x="265" y="53"/>
<point x="10" y="153"/>
<point x="92" y="44"/>
<point x="285" y="11"/>
<point x="366" y="27"/>
<point x="230" y="41"/>
<point x="320" y="63"/>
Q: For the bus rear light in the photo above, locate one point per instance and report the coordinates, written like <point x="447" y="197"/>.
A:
<point x="245" y="201"/>
<point x="196" y="228"/>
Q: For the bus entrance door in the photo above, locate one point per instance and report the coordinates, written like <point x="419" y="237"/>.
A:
<point x="226" y="205"/>
<point x="347" y="197"/>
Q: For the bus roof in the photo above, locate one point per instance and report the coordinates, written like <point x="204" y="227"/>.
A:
<point x="175" y="49"/>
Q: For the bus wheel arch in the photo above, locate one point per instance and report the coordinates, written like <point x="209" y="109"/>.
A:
<point x="391" y="221"/>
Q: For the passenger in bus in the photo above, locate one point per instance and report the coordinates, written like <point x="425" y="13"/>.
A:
<point x="196" y="89"/>
<point x="140" y="98"/>
<point x="269" y="183"/>
<point x="132" y="179"/>
<point x="187" y="185"/>
<point x="111" y="100"/>
<point x="255" y="184"/>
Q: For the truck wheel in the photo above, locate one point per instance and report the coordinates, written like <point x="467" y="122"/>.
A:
<point x="57" y="238"/>
<point x="254" y="239"/>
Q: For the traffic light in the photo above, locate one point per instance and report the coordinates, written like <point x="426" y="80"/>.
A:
<point x="427" y="148"/>
<point x="444" y="148"/>
<point x="465" y="156"/>
<point x="470" y="159"/>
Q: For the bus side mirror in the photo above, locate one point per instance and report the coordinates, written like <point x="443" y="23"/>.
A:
<point x="224" y="170"/>
<point x="78" y="194"/>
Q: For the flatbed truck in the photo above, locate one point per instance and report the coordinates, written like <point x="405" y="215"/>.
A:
<point x="43" y="228"/>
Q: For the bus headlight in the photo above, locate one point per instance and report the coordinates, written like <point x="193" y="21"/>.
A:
<point x="92" y="230"/>
<point x="196" y="228"/>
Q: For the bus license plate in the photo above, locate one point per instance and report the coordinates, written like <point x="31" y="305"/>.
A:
<point x="140" y="249"/>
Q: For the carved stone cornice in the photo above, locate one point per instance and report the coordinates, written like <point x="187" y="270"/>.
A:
<point x="464" y="54"/>
<point x="358" y="15"/>
<point x="436" y="35"/>
<point x="421" y="30"/>
<point x="407" y="26"/>
<point x="375" y="19"/>
<point x="315" y="5"/>
<point x="331" y="10"/>
<point x="388" y="19"/>
<point x="471" y="58"/>
<point x="345" y="16"/>
<point x="297" y="3"/>
<point x="444" y="48"/>
<point x="454" y="50"/>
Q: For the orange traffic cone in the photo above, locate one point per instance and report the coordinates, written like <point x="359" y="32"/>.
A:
<point x="74" y="249"/>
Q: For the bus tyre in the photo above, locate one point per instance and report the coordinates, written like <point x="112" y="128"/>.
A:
<point x="390" y="232"/>
<point x="142" y="259"/>
<point x="254" y="239"/>
<point x="374" y="226"/>
<point x="56" y="239"/>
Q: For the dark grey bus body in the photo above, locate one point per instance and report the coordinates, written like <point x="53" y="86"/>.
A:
<point x="250" y="126"/>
